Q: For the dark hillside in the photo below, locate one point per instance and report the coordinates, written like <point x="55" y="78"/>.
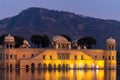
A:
<point x="51" y="22"/>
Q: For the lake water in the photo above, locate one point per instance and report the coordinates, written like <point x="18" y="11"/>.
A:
<point x="60" y="75"/>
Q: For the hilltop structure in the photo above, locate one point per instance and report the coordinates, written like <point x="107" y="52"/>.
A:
<point x="60" y="56"/>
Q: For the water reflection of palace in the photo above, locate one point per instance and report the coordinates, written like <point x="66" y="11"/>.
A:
<point x="58" y="75"/>
<point x="60" y="56"/>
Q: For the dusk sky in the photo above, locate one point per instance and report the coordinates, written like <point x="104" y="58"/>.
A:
<point x="105" y="9"/>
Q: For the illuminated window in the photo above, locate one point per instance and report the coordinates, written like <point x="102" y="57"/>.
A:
<point x="50" y="57"/>
<point x="97" y="66"/>
<point x="75" y="57"/>
<point x="43" y="56"/>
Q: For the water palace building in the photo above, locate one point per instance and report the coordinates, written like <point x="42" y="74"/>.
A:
<point x="61" y="56"/>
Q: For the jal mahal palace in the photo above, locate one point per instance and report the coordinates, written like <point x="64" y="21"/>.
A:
<point x="60" y="56"/>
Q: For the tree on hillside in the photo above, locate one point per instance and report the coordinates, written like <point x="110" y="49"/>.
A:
<point x="67" y="37"/>
<point x="18" y="41"/>
<point x="45" y="41"/>
<point x="87" y="42"/>
<point x="36" y="39"/>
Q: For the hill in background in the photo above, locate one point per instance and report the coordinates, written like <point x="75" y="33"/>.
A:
<point x="51" y="22"/>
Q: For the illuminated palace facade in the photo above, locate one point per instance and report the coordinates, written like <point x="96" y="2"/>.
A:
<point x="60" y="56"/>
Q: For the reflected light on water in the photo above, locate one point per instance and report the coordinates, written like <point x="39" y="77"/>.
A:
<point x="58" y="75"/>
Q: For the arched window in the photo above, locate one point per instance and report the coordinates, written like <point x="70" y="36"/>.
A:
<point x="109" y="57"/>
<point x="39" y="66"/>
<point x="59" y="66"/>
<point x="33" y="66"/>
<point x="67" y="56"/>
<point x="7" y="56"/>
<point x="103" y="57"/>
<point x="85" y="66"/>
<point x="43" y="57"/>
<point x="63" y="57"/>
<point x="7" y="46"/>
<point x="59" y="57"/>
<point x="27" y="66"/>
<point x="23" y="56"/>
<point x="10" y="45"/>
<point x="44" y="66"/>
<point x="95" y="56"/>
<point x="54" y="66"/>
<point x="112" y="57"/>
<point x="11" y="66"/>
<point x="58" y="46"/>
<point x="75" y="57"/>
<point x="7" y="66"/>
<point x="82" y="57"/>
<point x="32" y="55"/>
<point x="67" y="66"/>
<point x="49" y="66"/>
<point x="11" y="56"/>
<point x="50" y="57"/>
<point x="63" y="66"/>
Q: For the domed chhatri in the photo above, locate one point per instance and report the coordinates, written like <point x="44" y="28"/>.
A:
<point x="25" y="44"/>
<point x="60" y="42"/>
<point x="110" y="44"/>
<point x="110" y="41"/>
<point x="9" y="39"/>
<point x="59" y="39"/>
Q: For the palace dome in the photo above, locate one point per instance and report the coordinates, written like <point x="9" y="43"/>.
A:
<point x="9" y="39"/>
<point x="111" y="41"/>
<point x="25" y="42"/>
<point x="59" y="39"/>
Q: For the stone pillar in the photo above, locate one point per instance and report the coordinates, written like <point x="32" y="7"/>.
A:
<point x="69" y="46"/>
<point x="60" y="46"/>
<point x="114" y="47"/>
<point x="78" y="47"/>
<point x="65" y="46"/>
<point x="12" y="45"/>
<point x="9" y="45"/>
<point x="56" y="46"/>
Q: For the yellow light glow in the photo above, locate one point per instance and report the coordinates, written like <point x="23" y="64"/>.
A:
<point x="97" y="66"/>
<point x="100" y="64"/>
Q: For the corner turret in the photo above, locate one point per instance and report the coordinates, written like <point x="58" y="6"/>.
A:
<point x="110" y="44"/>
<point x="9" y="41"/>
